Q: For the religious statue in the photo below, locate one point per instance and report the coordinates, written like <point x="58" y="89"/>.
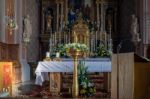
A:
<point x="49" y="22"/>
<point x="71" y="16"/>
<point x="27" y="30"/>
<point x="134" y="29"/>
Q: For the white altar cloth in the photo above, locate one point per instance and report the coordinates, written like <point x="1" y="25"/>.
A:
<point x="94" y="65"/>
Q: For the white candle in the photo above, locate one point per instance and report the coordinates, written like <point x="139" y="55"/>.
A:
<point x="91" y="44"/>
<point x="49" y="44"/>
<point x="60" y="37"/>
<point x="57" y="54"/>
<point x="47" y="54"/>
<point x="66" y="38"/>
<point x="69" y="36"/>
<point x="55" y="37"/>
<point x="96" y="39"/>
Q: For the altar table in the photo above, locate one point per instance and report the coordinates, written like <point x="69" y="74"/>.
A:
<point x="66" y="65"/>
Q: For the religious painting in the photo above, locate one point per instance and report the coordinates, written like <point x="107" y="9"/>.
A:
<point x="77" y="7"/>
<point x="6" y="76"/>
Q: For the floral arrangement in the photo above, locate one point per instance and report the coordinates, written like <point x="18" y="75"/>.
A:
<point x="86" y="87"/>
<point x="102" y="52"/>
<point x="76" y="46"/>
<point x="59" y="48"/>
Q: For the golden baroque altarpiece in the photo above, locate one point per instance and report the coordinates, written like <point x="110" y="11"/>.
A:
<point x="91" y="22"/>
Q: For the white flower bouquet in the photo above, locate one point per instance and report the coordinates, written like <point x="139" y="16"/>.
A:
<point x="76" y="46"/>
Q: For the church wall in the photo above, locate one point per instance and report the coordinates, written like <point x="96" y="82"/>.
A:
<point x="148" y="20"/>
<point x="33" y="47"/>
<point x="2" y="20"/>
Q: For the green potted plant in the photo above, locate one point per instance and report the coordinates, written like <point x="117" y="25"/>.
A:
<point x="102" y="52"/>
<point x="59" y="48"/>
<point x="85" y="86"/>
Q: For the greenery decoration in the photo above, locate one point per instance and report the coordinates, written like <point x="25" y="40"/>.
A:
<point x="85" y="86"/>
<point x="59" y="48"/>
<point x="102" y="52"/>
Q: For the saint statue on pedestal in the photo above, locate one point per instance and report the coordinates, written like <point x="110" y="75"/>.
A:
<point x="27" y="29"/>
<point x="135" y="29"/>
<point x="49" y="22"/>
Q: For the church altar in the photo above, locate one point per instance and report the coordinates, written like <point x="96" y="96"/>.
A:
<point x="66" y="65"/>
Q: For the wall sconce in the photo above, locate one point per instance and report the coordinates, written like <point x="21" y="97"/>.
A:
<point x="11" y="24"/>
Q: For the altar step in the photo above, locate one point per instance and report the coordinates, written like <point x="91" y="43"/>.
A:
<point x="96" y="78"/>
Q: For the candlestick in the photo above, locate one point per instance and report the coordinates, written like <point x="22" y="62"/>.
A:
<point x="96" y="39"/>
<point x="57" y="54"/>
<point x="91" y="45"/>
<point x="66" y="38"/>
<point x="55" y="38"/>
<point x="60" y="37"/>
<point x="47" y="54"/>
<point x="69" y="36"/>
<point x="49" y="44"/>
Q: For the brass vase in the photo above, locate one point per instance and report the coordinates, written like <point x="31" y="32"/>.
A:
<point x="75" y="54"/>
